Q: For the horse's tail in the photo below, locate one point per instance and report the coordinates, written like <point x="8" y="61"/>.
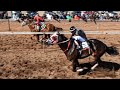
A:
<point x="112" y="50"/>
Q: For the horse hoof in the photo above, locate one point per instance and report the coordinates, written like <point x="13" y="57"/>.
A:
<point x="80" y="70"/>
<point x="83" y="71"/>
<point x="93" y="67"/>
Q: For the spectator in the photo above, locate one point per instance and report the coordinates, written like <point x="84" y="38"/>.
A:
<point x="3" y="15"/>
<point x="15" y="15"/>
<point x="32" y="13"/>
<point x="49" y="17"/>
<point x="76" y="17"/>
<point x="101" y="17"/>
<point x="68" y="17"/>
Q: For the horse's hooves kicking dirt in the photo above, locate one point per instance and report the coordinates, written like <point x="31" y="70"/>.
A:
<point x="83" y="72"/>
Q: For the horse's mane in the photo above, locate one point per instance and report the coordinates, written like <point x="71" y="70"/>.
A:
<point x="63" y="36"/>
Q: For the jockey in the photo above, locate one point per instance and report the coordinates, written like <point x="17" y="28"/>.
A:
<point x="77" y="37"/>
<point x="77" y="32"/>
<point x="38" y="21"/>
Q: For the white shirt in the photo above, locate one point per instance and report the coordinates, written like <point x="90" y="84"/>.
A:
<point x="49" y="16"/>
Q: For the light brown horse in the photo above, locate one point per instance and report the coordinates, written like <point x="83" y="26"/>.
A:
<point x="31" y="24"/>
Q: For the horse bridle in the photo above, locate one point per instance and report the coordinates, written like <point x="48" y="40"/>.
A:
<point x="62" y="41"/>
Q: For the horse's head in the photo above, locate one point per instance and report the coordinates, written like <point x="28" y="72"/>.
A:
<point x="25" y="20"/>
<point x="56" y="38"/>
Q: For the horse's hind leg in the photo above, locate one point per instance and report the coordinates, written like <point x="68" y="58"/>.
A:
<point x="94" y="66"/>
<point x="96" y="63"/>
<point x="74" y="66"/>
<point x="48" y="35"/>
<point x="37" y="36"/>
<point x="32" y="37"/>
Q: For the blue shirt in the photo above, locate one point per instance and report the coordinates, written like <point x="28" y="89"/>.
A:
<point x="79" y="38"/>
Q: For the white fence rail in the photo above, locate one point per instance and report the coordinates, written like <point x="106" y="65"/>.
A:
<point x="87" y="32"/>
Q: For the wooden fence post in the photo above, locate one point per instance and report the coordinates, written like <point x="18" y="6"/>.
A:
<point x="8" y="23"/>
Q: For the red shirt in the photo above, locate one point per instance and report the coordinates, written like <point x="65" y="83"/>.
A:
<point x="38" y="19"/>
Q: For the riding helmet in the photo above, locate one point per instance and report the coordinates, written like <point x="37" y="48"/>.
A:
<point x="72" y="28"/>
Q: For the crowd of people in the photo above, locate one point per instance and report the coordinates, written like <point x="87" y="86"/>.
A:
<point x="78" y="15"/>
<point x="15" y="14"/>
<point x="64" y="15"/>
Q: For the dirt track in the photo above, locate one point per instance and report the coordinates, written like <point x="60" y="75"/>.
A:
<point x="21" y="57"/>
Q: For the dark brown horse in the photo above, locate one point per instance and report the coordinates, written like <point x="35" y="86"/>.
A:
<point x="31" y="24"/>
<point x="96" y="46"/>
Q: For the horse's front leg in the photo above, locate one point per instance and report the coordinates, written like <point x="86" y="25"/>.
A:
<point x="43" y="39"/>
<point x="37" y="36"/>
<point x="75" y="64"/>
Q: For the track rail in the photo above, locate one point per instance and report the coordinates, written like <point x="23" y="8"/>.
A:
<point x="87" y="32"/>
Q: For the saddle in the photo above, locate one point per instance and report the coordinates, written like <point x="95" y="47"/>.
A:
<point x="43" y="26"/>
<point x="85" y="49"/>
<point x="40" y="28"/>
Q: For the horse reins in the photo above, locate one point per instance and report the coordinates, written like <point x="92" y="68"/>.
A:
<point x="63" y="41"/>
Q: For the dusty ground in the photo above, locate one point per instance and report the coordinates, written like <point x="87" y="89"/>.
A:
<point x="22" y="58"/>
